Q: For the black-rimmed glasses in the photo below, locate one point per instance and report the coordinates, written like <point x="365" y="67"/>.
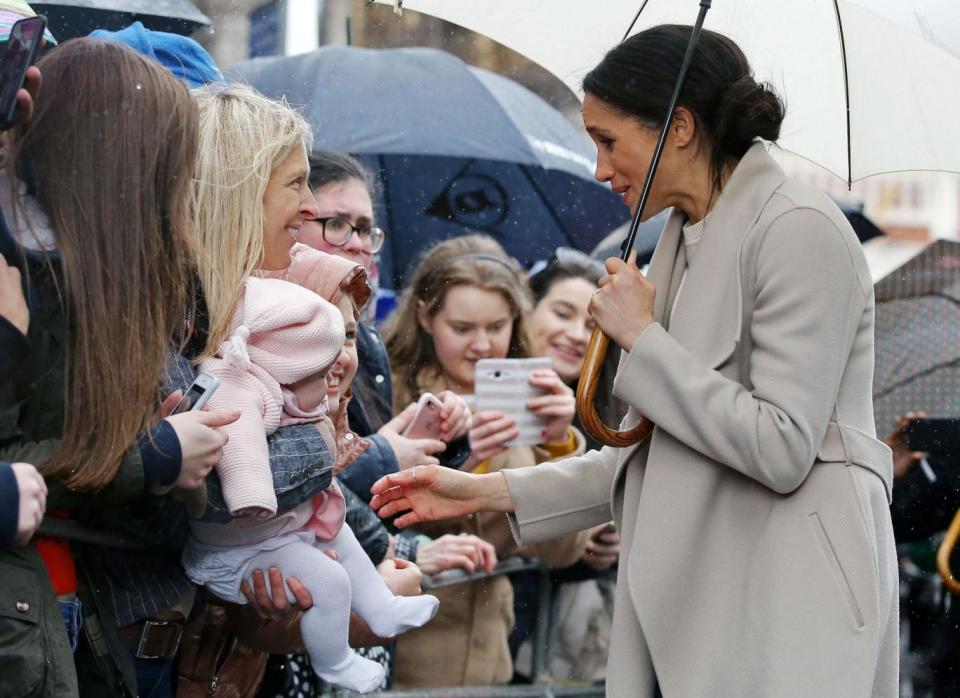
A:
<point x="337" y="231"/>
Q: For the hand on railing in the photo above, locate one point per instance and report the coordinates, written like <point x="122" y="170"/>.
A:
<point x="510" y="565"/>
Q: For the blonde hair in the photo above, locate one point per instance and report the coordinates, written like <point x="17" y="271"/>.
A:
<point x="472" y="260"/>
<point x="243" y="137"/>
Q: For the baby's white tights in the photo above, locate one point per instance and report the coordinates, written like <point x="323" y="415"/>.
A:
<point x="350" y="582"/>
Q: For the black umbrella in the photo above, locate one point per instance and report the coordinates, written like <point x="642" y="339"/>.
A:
<point x="69" y="19"/>
<point x="918" y="337"/>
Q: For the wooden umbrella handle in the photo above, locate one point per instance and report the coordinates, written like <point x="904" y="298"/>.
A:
<point x="587" y="392"/>
<point x="945" y="550"/>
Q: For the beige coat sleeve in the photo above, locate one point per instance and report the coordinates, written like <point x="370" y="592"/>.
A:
<point x="561" y="497"/>
<point x="809" y="300"/>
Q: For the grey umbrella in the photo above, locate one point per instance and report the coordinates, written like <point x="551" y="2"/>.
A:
<point x="69" y="19"/>
<point x="918" y="337"/>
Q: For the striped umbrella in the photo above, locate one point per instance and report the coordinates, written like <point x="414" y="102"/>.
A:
<point x="11" y="12"/>
<point x="918" y="337"/>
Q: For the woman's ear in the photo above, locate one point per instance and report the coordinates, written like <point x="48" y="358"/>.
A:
<point x="423" y="319"/>
<point x="683" y="128"/>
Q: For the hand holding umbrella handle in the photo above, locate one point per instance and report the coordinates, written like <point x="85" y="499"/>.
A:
<point x="945" y="550"/>
<point x="597" y="349"/>
<point x="587" y="391"/>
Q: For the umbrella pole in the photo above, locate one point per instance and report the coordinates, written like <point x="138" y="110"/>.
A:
<point x="597" y="349"/>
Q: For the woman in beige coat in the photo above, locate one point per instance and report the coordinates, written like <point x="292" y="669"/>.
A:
<point x="757" y="552"/>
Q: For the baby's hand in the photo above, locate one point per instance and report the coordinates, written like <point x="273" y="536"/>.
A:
<point x="255" y="513"/>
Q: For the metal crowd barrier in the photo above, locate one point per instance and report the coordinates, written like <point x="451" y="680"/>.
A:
<point x="539" y="639"/>
<point x="534" y="691"/>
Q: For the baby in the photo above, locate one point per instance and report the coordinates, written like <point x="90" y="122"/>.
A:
<point x="273" y="368"/>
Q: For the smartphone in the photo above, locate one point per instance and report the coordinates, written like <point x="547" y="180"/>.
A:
<point x="25" y="37"/>
<point x="198" y="394"/>
<point x="934" y="435"/>
<point x="504" y="385"/>
<point x="426" y="422"/>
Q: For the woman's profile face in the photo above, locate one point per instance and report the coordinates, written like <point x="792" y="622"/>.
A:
<point x="624" y="150"/>
<point x="344" y="368"/>
<point x="287" y="202"/>
<point x="560" y="326"/>
<point x="350" y="201"/>
<point x="472" y="324"/>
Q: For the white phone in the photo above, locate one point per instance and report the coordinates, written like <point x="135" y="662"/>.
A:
<point x="426" y="420"/>
<point x="504" y="385"/>
<point x="198" y="394"/>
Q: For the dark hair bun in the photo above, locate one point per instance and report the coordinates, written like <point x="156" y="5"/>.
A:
<point x="732" y="109"/>
<point x="748" y="110"/>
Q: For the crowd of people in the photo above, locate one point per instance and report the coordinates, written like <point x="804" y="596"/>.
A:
<point x="162" y="226"/>
<point x="159" y="222"/>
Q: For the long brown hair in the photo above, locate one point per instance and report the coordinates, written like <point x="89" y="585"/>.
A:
<point x="471" y="260"/>
<point x="111" y="150"/>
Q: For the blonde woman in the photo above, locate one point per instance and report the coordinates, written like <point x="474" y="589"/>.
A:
<point x="249" y="199"/>
<point x="466" y="302"/>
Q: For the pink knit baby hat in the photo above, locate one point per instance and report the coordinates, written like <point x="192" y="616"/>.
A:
<point x="327" y="275"/>
<point x="285" y="329"/>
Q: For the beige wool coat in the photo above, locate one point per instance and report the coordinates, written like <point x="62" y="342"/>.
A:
<point x="757" y="552"/>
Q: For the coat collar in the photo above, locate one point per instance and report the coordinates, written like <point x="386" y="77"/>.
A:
<point x="707" y="318"/>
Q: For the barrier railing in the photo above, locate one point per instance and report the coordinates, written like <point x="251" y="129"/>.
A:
<point x="540" y="638"/>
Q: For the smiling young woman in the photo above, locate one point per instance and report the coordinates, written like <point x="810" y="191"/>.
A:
<point x="467" y="302"/>
<point x="559" y="324"/>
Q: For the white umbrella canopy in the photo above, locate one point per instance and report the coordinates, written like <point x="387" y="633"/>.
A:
<point x="877" y="56"/>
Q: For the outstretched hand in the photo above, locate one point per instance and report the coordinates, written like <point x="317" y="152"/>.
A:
<point x="434" y="493"/>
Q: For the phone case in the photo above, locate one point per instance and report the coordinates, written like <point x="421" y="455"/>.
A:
<point x="426" y="421"/>
<point x="935" y="435"/>
<point x="198" y="394"/>
<point x="504" y="385"/>
<point x="23" y="40"/>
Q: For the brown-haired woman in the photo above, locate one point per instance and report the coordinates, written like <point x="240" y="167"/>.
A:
<point x="467" y="302"/>
<point x="95" y="197"/>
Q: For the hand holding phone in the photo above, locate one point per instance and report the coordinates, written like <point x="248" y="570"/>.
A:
<point x="924" y="435"/>
<point x="426" y="422"/>
<point x="409" y="452"/>
<point x="26" y="37"/>
<point x="201" y="440"/>
<point x="504" y="385"/>
<point x="198" y="394"/>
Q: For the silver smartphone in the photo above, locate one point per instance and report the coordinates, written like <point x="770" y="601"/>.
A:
<point x="198" y="394"/>
<point x="504" y="385"/>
